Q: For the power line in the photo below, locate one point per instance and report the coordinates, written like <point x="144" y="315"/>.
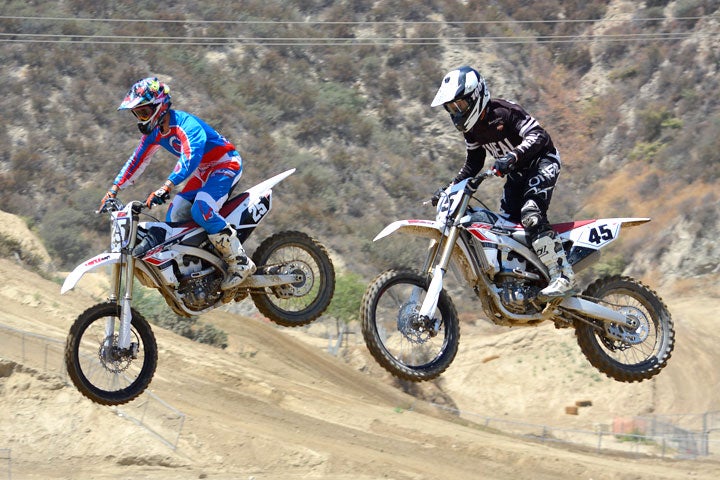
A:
<point x="358" y="22"/>
<point x="309" y="41"/>
<point x="339" y="41"/>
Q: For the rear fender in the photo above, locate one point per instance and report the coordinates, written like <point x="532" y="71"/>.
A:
<point x="587" y="237"/>
<point x="596" y="234"/>
<point x="247" y="209"/>
<point x="97" y="261"/>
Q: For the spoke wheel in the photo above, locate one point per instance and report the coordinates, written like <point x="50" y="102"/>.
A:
<point x="99" y="369"/>
<point x="628" y="354"/>
<point x="405" y="344"/>
<point x="301" y="302"/>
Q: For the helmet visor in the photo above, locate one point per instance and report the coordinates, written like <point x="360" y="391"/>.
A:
<point x="457" y="107"/>
<point x="144" y="112"/>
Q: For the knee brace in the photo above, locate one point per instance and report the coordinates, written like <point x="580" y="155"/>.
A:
<point x="533" y="219"/>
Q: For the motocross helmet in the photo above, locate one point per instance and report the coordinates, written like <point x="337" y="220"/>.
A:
<point x="464" y="95"/>
<point x="149" y="101"/>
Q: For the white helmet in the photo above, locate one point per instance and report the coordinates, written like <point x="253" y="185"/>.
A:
<point x="464" y="95"/>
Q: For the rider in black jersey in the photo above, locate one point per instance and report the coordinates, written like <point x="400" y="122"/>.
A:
<point x="523" y="151"/>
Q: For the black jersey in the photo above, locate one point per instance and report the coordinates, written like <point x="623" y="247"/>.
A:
<point x="506" y="127"/>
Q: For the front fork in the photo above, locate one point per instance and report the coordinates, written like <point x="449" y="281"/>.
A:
<point x="121" y="270"/>
<point x="124" y="269"/>
<point x="438" y="274"/>
<point x="436" y="284"/>
<point x="125" y="310"/>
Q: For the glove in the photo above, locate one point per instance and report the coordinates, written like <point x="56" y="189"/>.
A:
<point x="505" y="165"/>
<point x="436" y="197"/>
<point x="438" y="193"/>
<point x="159" y="196"/>
<point x="112" y="193"/>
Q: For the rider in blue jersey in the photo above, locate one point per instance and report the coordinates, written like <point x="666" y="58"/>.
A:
<point x="207" y="162"/>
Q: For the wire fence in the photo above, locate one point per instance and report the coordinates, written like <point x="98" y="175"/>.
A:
<point x="685" y="436"/>
<point x="5" y="463"/>
<point x="148" y="411"/>
<point x="656" y="436"/>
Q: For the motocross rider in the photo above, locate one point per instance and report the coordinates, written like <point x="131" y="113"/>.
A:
<point x="523" y="151"/>
<point x="210" y="164"/>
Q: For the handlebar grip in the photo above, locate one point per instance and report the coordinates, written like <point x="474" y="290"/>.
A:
<point x="475" y="182"/>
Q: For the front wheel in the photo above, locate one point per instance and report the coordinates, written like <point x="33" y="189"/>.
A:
<point x="103" y="372"/>
<point x="301" y="302"/>
<point x="405" y="344"/>
<point x="649" y="342"/>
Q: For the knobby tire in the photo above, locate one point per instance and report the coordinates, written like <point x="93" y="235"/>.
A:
<point x="628" y="363"/>
<point x="74" y="363"/>
<point x="373" y="333"/>
<point x="286" y="312"/>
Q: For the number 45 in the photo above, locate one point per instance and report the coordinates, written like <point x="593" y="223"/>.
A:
<point x="600" y="234"/>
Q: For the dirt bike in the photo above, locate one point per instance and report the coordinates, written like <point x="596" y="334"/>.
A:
<point x="111" y="352"/>
<point x="410" y="324"/>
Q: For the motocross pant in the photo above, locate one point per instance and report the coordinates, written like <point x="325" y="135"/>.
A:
<point x="205" y="193"/>
<point x="527" y="194"/>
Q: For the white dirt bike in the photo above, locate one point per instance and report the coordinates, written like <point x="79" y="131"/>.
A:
<point x="410" y="324"/>
<point x="111" y="352"/>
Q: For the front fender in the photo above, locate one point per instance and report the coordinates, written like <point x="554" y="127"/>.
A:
<point x="91" y="264"/>
<point x="434" y="231"/>
<point x="420" y="228"/>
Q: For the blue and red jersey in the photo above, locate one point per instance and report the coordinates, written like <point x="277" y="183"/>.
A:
<point x="196" y="144"/>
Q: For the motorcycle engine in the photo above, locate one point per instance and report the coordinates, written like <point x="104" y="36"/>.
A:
<point x="517" y="296"/>
<point x="200" y="290"/>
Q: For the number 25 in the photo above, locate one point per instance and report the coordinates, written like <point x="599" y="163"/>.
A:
<point x="257" y="211"/>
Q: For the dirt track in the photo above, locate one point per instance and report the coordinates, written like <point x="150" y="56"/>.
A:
<point x="268" y="407"/>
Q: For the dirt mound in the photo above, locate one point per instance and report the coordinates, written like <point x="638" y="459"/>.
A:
<point x="14" y="229"/>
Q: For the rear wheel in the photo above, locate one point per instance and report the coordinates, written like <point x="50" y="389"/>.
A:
<point x="301" y="302"/>
<point x="406" y="345"/>
<point x="627" y="354"/>
<point x="103" y="372"/>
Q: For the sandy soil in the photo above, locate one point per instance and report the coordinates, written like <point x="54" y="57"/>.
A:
<point x="276" y="405"/>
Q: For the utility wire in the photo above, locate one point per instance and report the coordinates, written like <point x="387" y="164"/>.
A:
<point x="359" y="22"/>
<point x="339" y="41"/>
<point x="308" y="41"/>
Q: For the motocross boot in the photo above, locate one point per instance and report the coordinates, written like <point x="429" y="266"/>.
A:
<point x="240" y="266"/>
<point x="562" y="278"/>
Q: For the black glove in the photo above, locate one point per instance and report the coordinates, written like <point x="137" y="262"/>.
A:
<point x="438" y="193"/>
<point x="158" y="197"/>
<point x="505" y="164"/>
<point x="436" y="197"/>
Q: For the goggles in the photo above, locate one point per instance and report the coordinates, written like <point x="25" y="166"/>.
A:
<point x="458" y="106"/>
<point x="144" y="112"/>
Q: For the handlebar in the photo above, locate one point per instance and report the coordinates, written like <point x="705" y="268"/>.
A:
<point x="114" y="205"/>
<point x="475" y="182"/>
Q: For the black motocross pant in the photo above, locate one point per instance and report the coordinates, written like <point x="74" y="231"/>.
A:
<point x="527" y="194"/>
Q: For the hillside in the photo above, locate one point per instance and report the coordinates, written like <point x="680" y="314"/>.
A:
<point x="620" y="85"/>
